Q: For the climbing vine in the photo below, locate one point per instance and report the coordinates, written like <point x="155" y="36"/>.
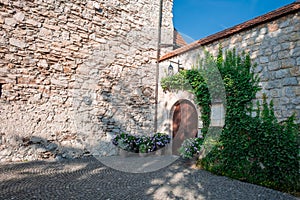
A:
<point x="257" y="149"/>
<point x="192" y="81"/>
<point x="210" y="76"/>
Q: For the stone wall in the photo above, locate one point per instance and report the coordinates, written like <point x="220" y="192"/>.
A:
<point x="73" y="73"/>
<point x="273" y="45"/>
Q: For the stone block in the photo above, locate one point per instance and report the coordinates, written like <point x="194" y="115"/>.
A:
<point x="51" y="27"/>
<point x="272" y="66"/>
<point x="272" y="27"/>
<point x="33" y="22"/>
<point x="263" y="60"/>
<point x="290" y="81"/>
<point x="273" y="84"/>
<point x="254" y="34"/>
<point x="284" y="100"/>
<point x="297" y="91"/>
<point x="51" y="147"/>
<point x="45" y="32"/>
<point x="59" y="82"/>
<point x="73" y="48"/>
<point x="275" y="93"/>
<point x="283" y="54"/>
<point x="289" y="92"/>
<point x="286" y="45"/>
<point x="287" y="113"/>
<point x="295" y="71"/>
<point x="263" y="31"/>
<point x="298" y="61"/>
<point x="43" y="64"/>
<point x="282" y="73"/>
<point x="268" y="52"/>
<point x="283" y="39"/>
<point x="288" y="63"/>
<point x="10" y="22"/>
<point x="273" y="57"/>
<point x="277" y="48"/>
<point x="57" y="67"/>
<point x="37" y="140"/>
<point x="17" y="43"/>
<point x="295" y="52"/>
<point x="288" y="30"/>
<point x="19" y="16"/>
<point x="258" y="69"/>
<point x="284" y="23"/>
<point x="295" y="36"/>
<point x="259" y="39"/>
<point x="265" y="76"/>
<point x="296" y="100"/>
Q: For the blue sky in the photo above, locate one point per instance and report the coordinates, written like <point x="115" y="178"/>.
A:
<point x="196" y="19"/>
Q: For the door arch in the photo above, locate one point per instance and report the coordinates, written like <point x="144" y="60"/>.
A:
<point x="184" y="123"/>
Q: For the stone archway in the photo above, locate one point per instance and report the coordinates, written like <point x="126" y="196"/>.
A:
<point x="184" y="123"/>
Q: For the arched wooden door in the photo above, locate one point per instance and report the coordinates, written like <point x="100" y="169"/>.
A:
<point x="185" y="123"/>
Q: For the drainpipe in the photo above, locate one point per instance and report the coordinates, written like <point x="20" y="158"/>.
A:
<point x="157" y="64"/>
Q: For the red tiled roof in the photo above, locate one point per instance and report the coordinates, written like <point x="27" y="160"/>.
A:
<point x="178" y="40"/>
<point x="288" y="9"/>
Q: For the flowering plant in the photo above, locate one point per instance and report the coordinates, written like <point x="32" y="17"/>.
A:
<point x="124" y="141"/>
<point x="142" y="144"/>
<point x="190" y="147"/>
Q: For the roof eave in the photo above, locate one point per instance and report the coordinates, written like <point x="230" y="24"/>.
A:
<point x="271" y="16"/>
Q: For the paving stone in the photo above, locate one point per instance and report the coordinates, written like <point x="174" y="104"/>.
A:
<point x="90" y="179"/>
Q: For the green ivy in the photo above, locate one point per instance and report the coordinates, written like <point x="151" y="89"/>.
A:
<point x="203" y="80"/>
<point x="190" y="147"/>
<point x="175" y="82"/>
<point x="257" y="149"/>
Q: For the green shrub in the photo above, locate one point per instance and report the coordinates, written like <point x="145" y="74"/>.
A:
<point x="260" y="150"/>
<point x="256" y="149"/>
<point x="190" y="147"/>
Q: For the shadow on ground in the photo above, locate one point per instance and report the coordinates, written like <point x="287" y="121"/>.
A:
<point x="88" y="178"/>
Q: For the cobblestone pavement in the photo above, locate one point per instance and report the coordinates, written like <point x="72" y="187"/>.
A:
<point x="88" y="178"/>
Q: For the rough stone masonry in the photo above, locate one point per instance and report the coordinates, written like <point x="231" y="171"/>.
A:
<point x="73" y="73"/>
<point x="273" y="42"/>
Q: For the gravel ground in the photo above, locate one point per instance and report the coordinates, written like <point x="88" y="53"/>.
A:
<point x="88" y="178"/>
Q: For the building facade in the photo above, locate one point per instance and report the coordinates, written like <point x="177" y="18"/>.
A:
<point x="273" y="42"/>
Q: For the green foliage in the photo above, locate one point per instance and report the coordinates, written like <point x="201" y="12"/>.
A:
<point x="256" y="149"/>
<point x="260" y="150"/>
<point x="142" y="144"/>
<point x="190" y="147"/>
<point x="175" y="82"/>
<point x="192" y="81"/>
<point x="202" y="95"/>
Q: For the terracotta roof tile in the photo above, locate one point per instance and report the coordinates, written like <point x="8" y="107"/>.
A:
<point x="288" y="9"/>
<point x="178" y="39"/>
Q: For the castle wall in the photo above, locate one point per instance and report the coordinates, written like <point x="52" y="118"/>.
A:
<point x="73" y="73"/>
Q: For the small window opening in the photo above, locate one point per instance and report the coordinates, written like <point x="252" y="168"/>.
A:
<point x="1" y="89"/>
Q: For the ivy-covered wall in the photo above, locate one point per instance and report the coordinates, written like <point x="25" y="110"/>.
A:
<point x="274" y="45"/>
